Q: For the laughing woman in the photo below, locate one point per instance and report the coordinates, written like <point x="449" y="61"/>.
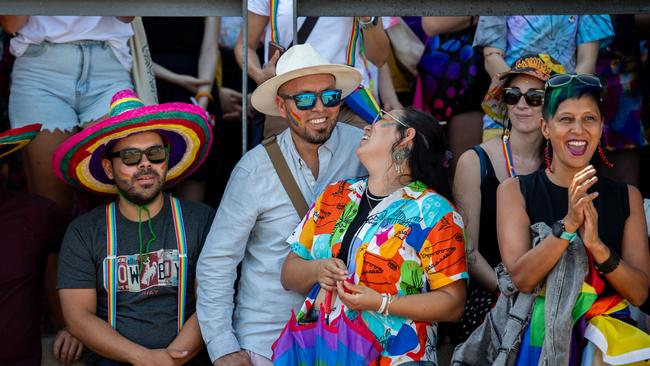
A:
<point x="575" y="201"/>
<point x="391" y="245"/>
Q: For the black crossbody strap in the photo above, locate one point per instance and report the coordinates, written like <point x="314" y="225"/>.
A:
<point x="305" y="30"/>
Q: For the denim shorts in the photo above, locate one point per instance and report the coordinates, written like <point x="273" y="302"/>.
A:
<point x="64" y="85"/>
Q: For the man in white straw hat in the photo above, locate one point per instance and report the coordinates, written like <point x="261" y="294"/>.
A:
<point x="266" y="198"/>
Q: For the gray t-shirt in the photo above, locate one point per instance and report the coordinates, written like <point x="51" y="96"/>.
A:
<point x="146" y="304"/>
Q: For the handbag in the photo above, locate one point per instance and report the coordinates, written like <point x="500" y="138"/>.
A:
<point x="449" y="66"/>
<point x="406" y="45"/>
<point x="144" y="80"/>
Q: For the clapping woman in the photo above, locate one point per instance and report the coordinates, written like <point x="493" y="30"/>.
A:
<point x="572" y="198"/>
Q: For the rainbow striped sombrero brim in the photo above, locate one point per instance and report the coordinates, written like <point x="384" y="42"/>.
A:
<point x="17" y="138"/>
<point x="78" y="161"/>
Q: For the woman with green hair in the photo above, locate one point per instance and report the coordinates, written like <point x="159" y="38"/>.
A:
<point x="595" y="222"/>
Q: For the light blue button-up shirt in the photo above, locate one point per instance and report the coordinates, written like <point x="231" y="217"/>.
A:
<point x="252" y="224"/>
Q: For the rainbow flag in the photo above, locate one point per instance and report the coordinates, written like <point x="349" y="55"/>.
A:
<point x="597" y="323"/>
<point x="363" y="103"/>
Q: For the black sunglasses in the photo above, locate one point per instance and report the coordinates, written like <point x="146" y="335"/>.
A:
<point x="307" y="100"/>
<point x="132" y="156"/>
<point x="533" y="97"/>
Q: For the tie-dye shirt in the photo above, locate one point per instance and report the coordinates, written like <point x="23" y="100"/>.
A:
<point x="556" y="35"/>
<point x="412" y="242"/>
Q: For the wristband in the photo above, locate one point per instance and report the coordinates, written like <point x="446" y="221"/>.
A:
<point x="371" y="23"/>
<point x="608" y="265"/>
<point x="204" y="94"/>
<point x="486" y="55"/>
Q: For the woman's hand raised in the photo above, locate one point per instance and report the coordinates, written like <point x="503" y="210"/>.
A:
<point x="578" y="198"/>
<point x="589" y="229"/>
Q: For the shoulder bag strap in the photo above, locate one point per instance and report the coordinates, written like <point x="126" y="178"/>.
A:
<point x="287" y="179"/>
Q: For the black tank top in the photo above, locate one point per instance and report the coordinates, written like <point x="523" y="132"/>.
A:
<point x="487" y="236"/>
<point x="548" y="202"/>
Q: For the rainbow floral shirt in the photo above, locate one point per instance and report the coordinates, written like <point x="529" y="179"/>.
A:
<point x="412" y="242"/>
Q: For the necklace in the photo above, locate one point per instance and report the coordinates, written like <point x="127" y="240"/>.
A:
<point x="375" y="199"/>
<point x="507" y="154"/>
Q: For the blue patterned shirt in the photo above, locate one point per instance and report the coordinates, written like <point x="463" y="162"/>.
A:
<point x="556" y="35"/>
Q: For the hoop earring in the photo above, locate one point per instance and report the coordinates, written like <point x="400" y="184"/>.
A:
<point x="604" y="158"/>
<point x="399" y="156"/>
<point x="547" y="156"/>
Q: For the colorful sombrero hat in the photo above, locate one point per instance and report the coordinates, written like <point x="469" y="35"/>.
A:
<point x="540" y="66"/>
<point x="17" y="138"/>
<point x="78" y="161"/>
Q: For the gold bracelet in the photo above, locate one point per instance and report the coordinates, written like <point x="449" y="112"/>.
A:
<point x="201" y="94"/>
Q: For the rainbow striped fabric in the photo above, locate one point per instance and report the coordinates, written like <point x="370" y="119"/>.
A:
<point x="598" y="322"/>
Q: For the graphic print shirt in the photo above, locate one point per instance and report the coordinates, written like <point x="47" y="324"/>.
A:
<point x="412" y="242"/>
<point x="146" y="300"/>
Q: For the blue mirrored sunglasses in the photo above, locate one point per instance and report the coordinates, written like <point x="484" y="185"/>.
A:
<point x="307" y="100"/>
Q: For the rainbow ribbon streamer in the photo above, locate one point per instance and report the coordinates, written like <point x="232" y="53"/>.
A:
<point x="507" y="154"/>
<point x="181" y="243"/>
<point x="352" y="45"/>
<point x="273" y="19"/>
<point x="110" y="269"/>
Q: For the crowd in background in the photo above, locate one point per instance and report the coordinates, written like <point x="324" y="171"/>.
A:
<point x="479" y="79"/>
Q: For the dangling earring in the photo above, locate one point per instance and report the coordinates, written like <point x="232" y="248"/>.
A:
<point x="547" y="156"/>
<point x="399" y="157"/>
<point x="604" y="158"/>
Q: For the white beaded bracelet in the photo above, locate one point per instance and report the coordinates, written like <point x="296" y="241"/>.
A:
<point x="384" y="301"/>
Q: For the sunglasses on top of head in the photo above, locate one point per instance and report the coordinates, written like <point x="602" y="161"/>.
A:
<point x="382" y="114"/>
<point x="307" y="100"/>
<point x="559" y="80"/>
<point x="132" y="156"/>
<point x="533" y="97"/>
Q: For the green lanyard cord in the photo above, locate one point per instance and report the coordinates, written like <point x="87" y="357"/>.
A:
<point x="143" y="255"/>
<point x="144" y="258"/>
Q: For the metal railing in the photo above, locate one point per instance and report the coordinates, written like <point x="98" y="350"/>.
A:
<point x="204" y="8"/>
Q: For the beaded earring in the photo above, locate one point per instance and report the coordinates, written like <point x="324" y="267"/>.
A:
<point x="547" y="156"/>
<point x="606" y="161"/>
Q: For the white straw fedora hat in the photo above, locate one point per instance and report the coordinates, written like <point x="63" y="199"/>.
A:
<point x="301" y="60"/>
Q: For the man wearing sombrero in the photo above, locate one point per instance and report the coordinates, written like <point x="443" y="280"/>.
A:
<point x="256" y="214"/>
<point x="29" y="248"/>
<point x="126" y="269"/>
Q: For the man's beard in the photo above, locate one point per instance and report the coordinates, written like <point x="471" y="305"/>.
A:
<point x="141" y="196"/>
<point x="314" y="137"/>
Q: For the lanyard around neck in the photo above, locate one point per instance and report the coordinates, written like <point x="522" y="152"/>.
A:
<point x="351" y="50"/>
<point x="507" y="155"/>
<point x="110" y="271"/>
